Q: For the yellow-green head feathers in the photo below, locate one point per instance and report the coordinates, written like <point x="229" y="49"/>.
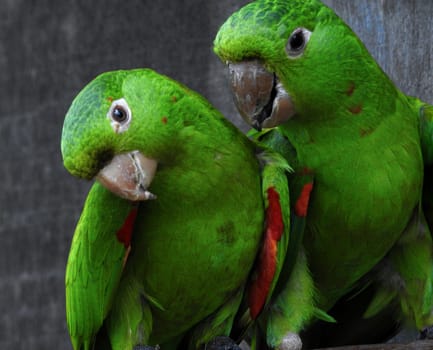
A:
<point x="121" y="111"/>
<point x="262" y="27"/>
<point x="320" y="62"/>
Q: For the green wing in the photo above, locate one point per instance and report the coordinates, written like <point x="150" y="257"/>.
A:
<point x="412" y="254"/>
<point x="292" y="302"/>
<point x="426" y="132"/>
<point x="298" y="189"/>
<point x="290" y="299"/>
<point x="275" y="241"/>
<point x="95" y="264"/>
<point x="277" y="198"/>
<point x="274" y="140"/>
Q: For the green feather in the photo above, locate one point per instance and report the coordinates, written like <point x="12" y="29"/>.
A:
<point x="194" y="246"/>
<point x="95" y="264"/>
<point x="367" y="146"/>
<point x="426" y="130"/>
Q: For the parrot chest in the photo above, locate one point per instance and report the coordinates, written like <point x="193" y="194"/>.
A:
<point x="364" y="194"/>
<point x="199" y="257"/>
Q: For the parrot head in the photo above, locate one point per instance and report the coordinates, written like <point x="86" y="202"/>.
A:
<point x="122" y="126"/>
<point x="291" y="58"/>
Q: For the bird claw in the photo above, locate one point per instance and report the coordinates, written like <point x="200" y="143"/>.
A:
<point x="146" y="347"/>
<point x="426" y="333"/>
<point x="222" y="343"/>
<point x="291" y="341"/>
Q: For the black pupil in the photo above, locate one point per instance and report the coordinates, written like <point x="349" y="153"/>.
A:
<point x="297" y="40"/>
<point x="119" y="114"/>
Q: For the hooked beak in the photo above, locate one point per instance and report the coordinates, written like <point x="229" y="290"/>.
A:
<point x="260" y="98"/>
<point x="128" y="175"/>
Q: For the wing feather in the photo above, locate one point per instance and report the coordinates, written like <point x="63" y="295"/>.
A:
<point x="95" y="264"/>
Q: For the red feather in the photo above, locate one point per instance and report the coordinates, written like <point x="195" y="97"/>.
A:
<point x="268" y="257"/>
<point x="301" y="206"/>
<point x="124" y="235"/>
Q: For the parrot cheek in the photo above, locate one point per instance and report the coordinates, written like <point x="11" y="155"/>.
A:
<point x="128" y="175"/>
<point x="260" y="98"/>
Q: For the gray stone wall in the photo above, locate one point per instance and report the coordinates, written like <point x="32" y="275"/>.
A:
<point x="50" y="49"/>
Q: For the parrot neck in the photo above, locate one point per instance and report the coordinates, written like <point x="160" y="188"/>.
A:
<point x="351" y="130"/>
<point x="358" y="111"/>
<point x="213" y="146"/>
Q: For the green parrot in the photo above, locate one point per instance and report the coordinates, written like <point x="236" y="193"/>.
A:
<point x="188" y="218"/>
<point x="299" y="72"/>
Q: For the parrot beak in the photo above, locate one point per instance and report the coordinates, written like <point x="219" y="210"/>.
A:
<point x="260" y="98"/>
<point x="128" y="175"/>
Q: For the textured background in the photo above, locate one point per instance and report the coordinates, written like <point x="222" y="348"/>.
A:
<point x="50" y="49"/>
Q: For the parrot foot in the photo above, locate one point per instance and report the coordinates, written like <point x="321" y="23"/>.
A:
<point x="146" y="347"/>
<point x="222" y="343"/>
<point x="291" y="341"/>
<point x="426" y="333"/>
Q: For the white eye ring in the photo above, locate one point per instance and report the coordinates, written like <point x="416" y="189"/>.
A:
<point x="297" y="42"/>
<point x="120" y="115"/>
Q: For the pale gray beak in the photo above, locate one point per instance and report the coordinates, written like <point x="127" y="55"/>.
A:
<point x="260" y="98"/>
<point x="128" y="175"/>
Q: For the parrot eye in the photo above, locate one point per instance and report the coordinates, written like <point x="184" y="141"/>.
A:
<point x="297" y="42"/>
<point x="120" y="115"/>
